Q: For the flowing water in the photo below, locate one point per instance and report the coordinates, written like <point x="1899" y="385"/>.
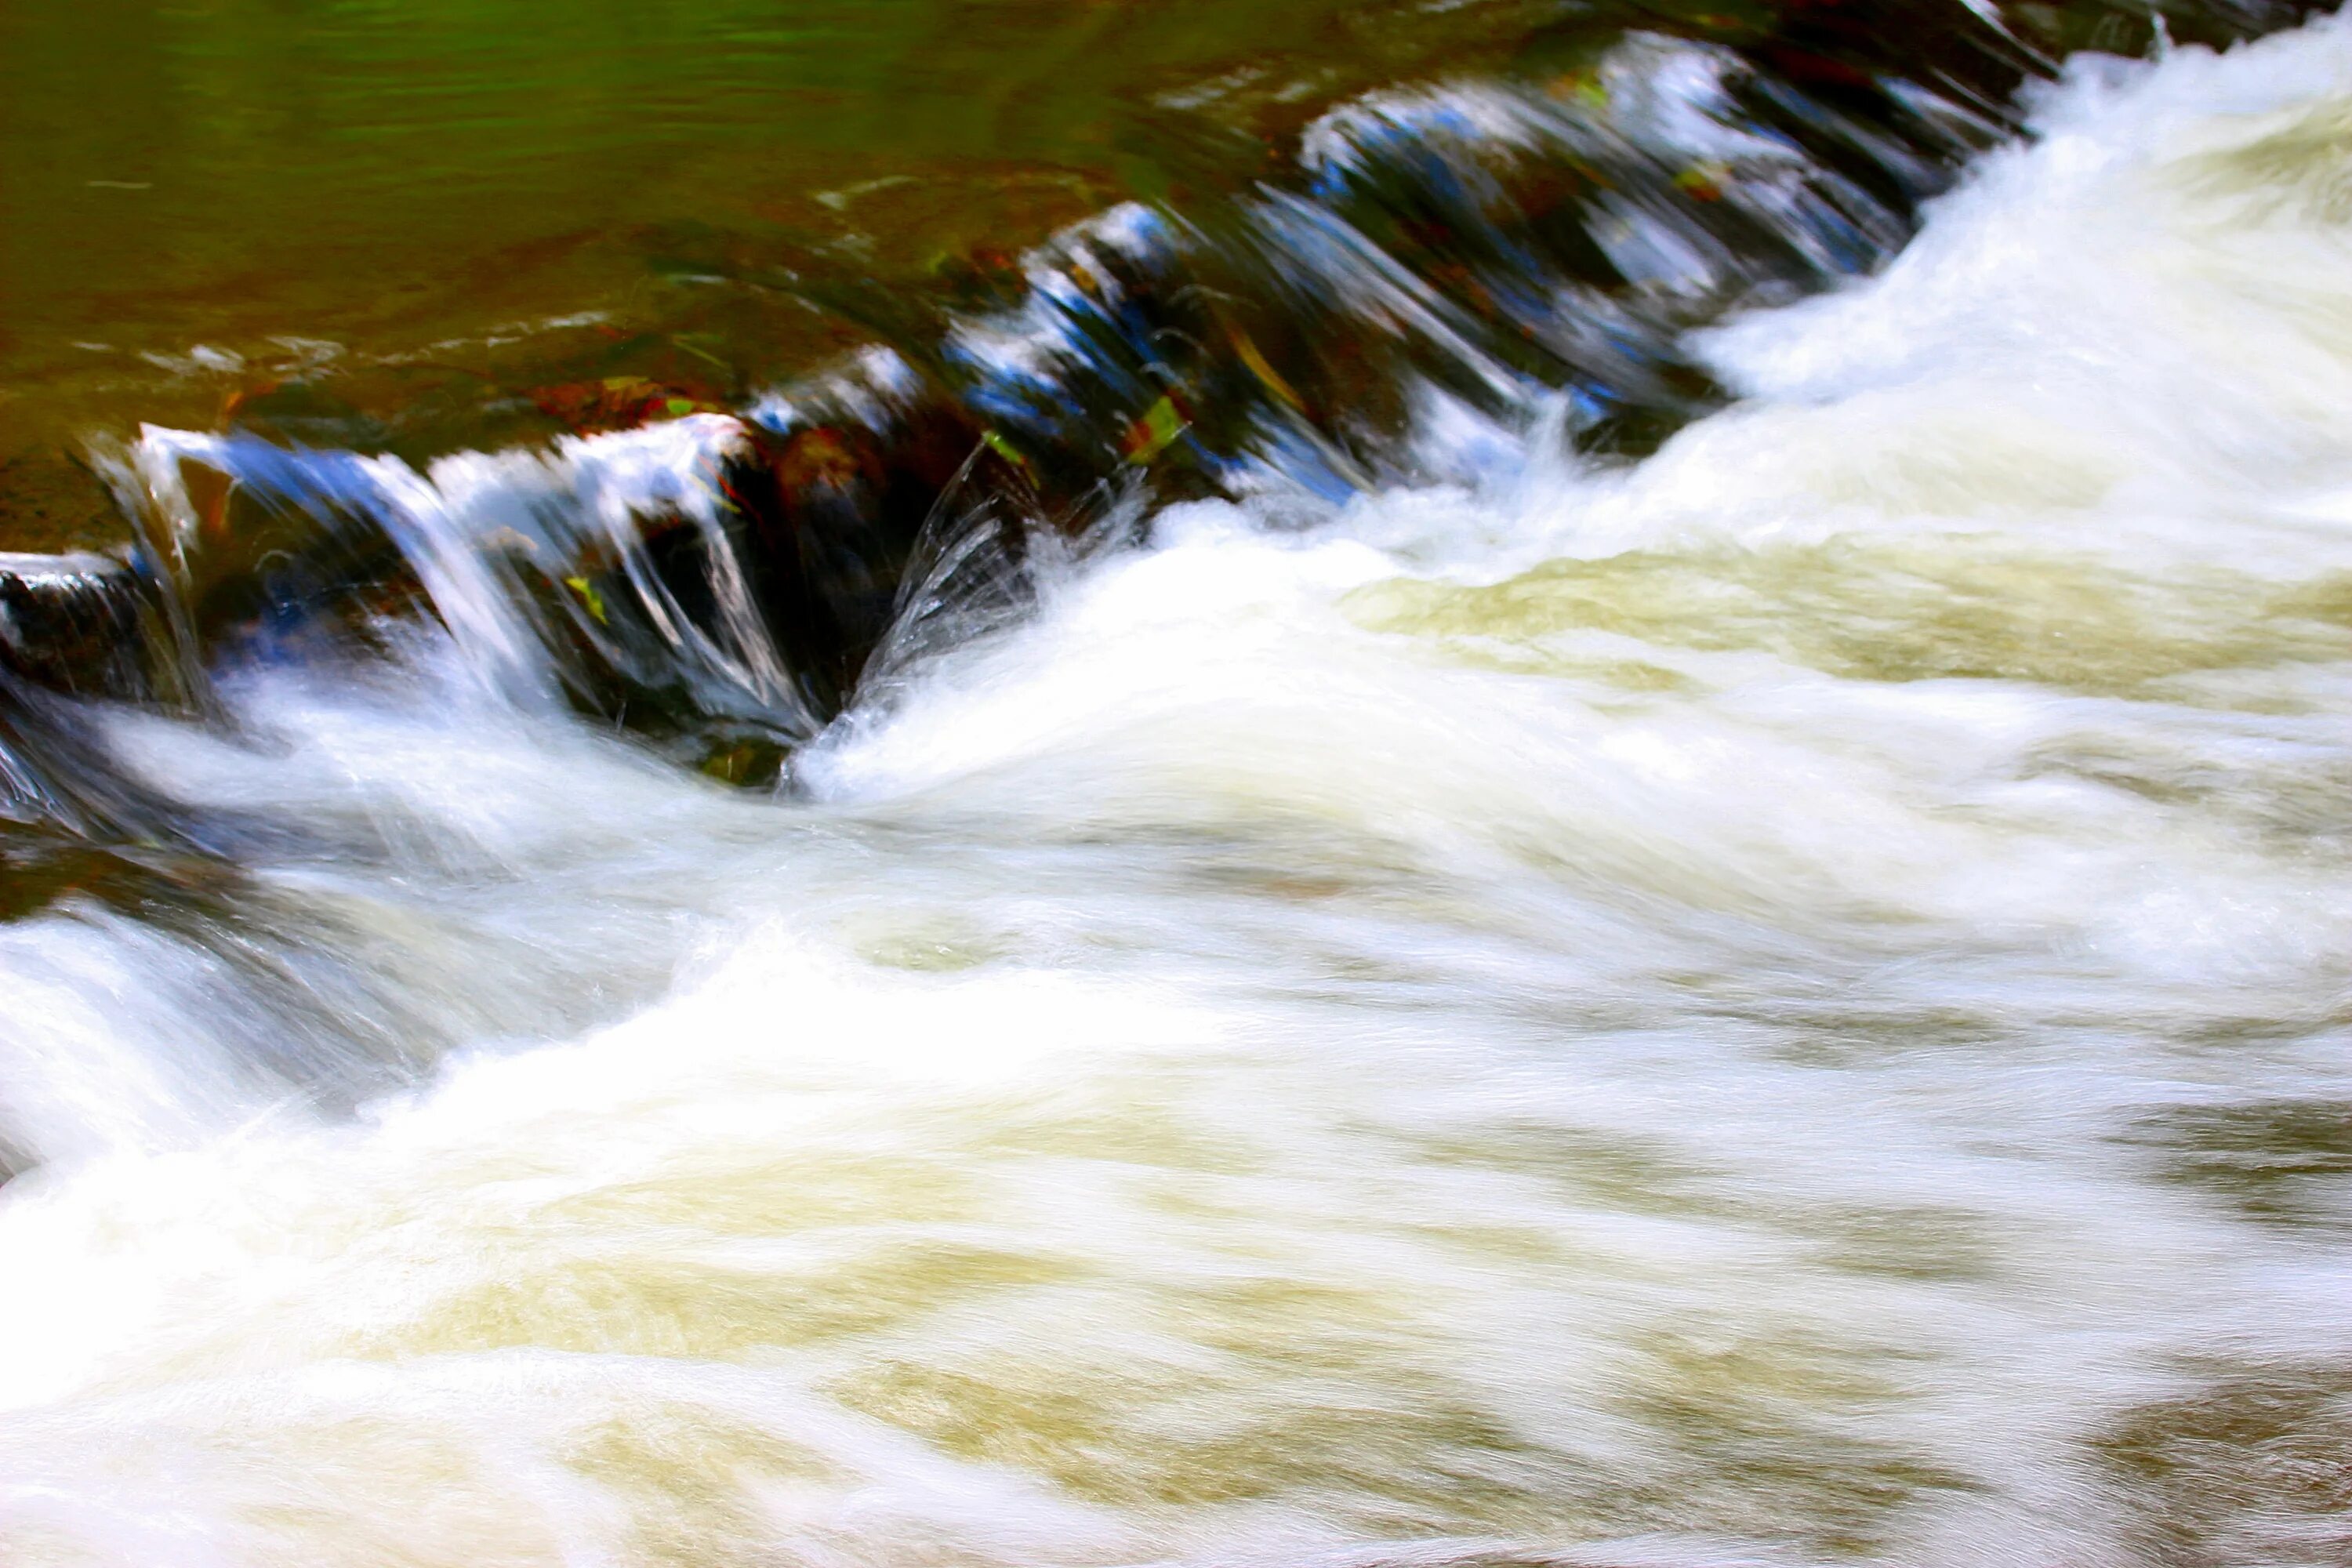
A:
<point x="438" y="200"/>
<point x="1775" y="993"/>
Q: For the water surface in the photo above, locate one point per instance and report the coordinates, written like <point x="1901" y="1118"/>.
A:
<point x="1777" y="999"/>
<point x="203" y="199"/>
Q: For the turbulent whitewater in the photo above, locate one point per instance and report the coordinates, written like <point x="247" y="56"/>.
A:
<point x="1782" y="1002"/>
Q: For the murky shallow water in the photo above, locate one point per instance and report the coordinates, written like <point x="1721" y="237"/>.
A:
<point x="1787" y="1002"/>
<point x="435" y="205"/>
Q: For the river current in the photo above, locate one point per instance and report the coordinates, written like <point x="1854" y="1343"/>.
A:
<point x="1781" y="1002"/>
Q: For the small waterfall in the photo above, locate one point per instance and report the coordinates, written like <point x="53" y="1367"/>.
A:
<point x="716" y="582"/>
<point x="1600" y="821"/>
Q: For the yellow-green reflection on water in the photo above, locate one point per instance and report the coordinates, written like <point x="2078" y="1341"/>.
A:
<point x="199" y="197"/>
<point x="1900" y="609"/>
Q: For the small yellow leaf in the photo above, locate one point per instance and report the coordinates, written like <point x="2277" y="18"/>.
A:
<point x="1149" y="435"/>
<point x="1704" y="181"/>
<point x="589" y="596"/>
<point x="1264" y="370"/>
<point x="1003" y="449"/>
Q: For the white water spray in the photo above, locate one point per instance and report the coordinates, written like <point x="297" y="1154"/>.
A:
<point x="1785" y="1003"/>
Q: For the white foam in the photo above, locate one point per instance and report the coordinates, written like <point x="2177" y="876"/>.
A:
<point x="1635" y="1016"/>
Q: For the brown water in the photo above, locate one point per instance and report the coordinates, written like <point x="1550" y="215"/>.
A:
<point x="414" y="195"/>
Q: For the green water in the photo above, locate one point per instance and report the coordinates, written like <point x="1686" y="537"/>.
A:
<point x="202" y="199"/>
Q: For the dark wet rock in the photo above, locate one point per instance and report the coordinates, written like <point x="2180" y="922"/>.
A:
<point x="749" y="761"/>
<point x="77" y="624"/>
<point x="831" y="515"/>
<point x="57" y="771"/>
<point x="278" y="563"/>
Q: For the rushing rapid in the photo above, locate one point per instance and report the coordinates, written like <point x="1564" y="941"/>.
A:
<point x="1496" y="998"/>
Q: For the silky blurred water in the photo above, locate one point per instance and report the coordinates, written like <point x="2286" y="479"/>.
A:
<point x="1782" y="1003"/>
